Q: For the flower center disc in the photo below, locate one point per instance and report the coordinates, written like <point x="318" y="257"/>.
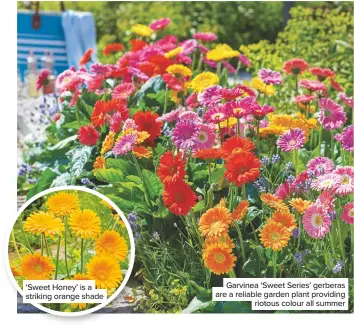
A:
<point x="219" y="258"/>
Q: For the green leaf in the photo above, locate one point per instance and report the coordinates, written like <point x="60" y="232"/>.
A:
<point x="252" y="264"/>
<point x="44" y="182"/>
<point x="153" y="184"/>
<point x="126" y="167"/>
<point x="79" y="158"/>
<point x="63" y="179"/>
<point x="109" y="175"/>
<point x="236" y="307"/>
<point x="75" y="125"/>
<point x="64" y="143"/>
<point x="197" y="305"/>
<point x="216" y="174"/>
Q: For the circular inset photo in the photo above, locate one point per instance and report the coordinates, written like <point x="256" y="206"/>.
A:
<point x="71" y="251"/>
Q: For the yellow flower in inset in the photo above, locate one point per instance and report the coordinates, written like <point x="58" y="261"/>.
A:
<point x="300" y="205"/>
<point x="105" y="203"/>
<point x="85" y="223"/>
<point x="203" y="80"/>
<point x="37" y="267"/>
<point x="142" y="30"/>
<point x="141" y="152"/>
<point x="179" y="70"/>
<point x="105" y="271"/>
<point x="44" y="223"/>
<point x="268" y="90"/>
<point x="215" y="222"/>
<point x="173" y="53"/>
<point x="63" y="204"/>
<point x="218" y="258"/>
<point x="275" y="236"/>
<point x="108" y="143"/>
<point x="112" y="244"/>
<point x="222" y="52"/>
<point x="80" y="276"/>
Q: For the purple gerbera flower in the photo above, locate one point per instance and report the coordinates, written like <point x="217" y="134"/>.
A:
<point x="270" y="77"/>
<point x="185" y="134"/>
<point x="291" y="140"/>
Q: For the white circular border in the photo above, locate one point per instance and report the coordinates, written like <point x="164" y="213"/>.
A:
<point x="131" y="259"/>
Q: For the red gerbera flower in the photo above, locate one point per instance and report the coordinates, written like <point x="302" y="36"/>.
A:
<point x="242" y="167"/>
<point x="88" y="135"/>
<point x="336" y="85"/>
<point x="117" y="72"/>
<point x="86" y="57"/>
<point x="146" y="121"/>
<point x="118" y="105"/>
<point x="208" y="154"/>
<point x="171" y="168"/>
<point x="236" y="144"/>
<point x="172" y="82"/>
<point x="98" y="116"/>
<point x="137" y="44"/>
<point x="322" y="73"/>
<point x="295" y="66"/>
<point x="161" y="62"/>
<point x="42" y="79"/>
<point x="178" y="197"/>
<point x="149" y="68"/>
<point x="111" y="48"/>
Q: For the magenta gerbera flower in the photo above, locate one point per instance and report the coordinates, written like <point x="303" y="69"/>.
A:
<point x="346" y="100"/>
<point x="244" y="60"/>
<point x="42" y="79"/>
<point x="346" y="182"/>
<point x="270" y="77"/>
<point x="205" y="36"/>
<point x="316" y="221"/>
<point x="115" y="122"/>
<point x="124" y="144"/>
<point x="291" y="140"/>
<point x="211" y="96"/>
<point x="304" y="99"/>
<point x="216" y="115"/>
<point x="229" y="67"/>
<point x="348" y="213"/>
<point x="191" y="116"/>
<point x="326" y="200"/>
<point x="123" y="91"/>
<point x="261" y="111"/>
<point x="185" y="134"/>
<point x="326" y="182"/>
<point x="313" y="85"/>
<point x="242" y="107"/>
<point x="320" y="165"/>
<point x="346" y="138"/>
<point x="231" y="94"/>
<point x="205" y="138"/>
<point x="331" y="114"/>
<point x="170" y="116"/>
<point x="283" y="191"/>
<point x="160" y="24"/>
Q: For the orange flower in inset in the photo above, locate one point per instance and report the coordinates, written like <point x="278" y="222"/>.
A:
<point x="242" y="168"/>
<point x="275" y="236"/>
<point x="80" y="276"/>
<point x="141" y="152"/>
<point x="15" y="271"/>
<point x="178" y="197"/>
<point x="37" y="267"/>
<point x="99" y="163"/>
<point x="236" y="144"/>
<point x="171" y="167"/>
<point x="300" y="205"/>
<point x="86" y="57"/>
<point x="111" y="48"/>
<point x="63" y="204"/>
<point x="112" y="244"/>
<point x="240" y="211"/>
<point x="44" y="223"/>
<point x="274" y="202"/>
<point x="215" y="222"/>
<point x="284" y="218"/>
<point x="218" y="258"/>
<point x="208" y="154"/>
<point x="85" y="223"/>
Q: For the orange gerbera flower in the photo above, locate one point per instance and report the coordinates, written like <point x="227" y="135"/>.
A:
<point x="171" y="167"/>
<point x="225" y="239"/>
<point x="112" y="244"/>
<point x="85" y="223"/>
<point x="15" y="272"/>
<point x="44" y="223"/>
<point x="141" y="152"/>
<point x="86" y="57"/>
<point x="100" y="162"/>
<point x="178" y="197"/>
<point x="284" y="218"/>
<point x="218" y="258"/>
<point x="208" y="154"/>
<point x="107" y="143"/>
<point x="242" y="167"/>
<point x="275" y="236"/>
<point x="215" y="222"/>
<point x="274" y="202"/>
<point x="99" y="113"/>
<point x="80" y="276"/>
<point x="63" y="203"/>
<point x="241" y="210"/>
<point x="300" y="205"/>
<point x="37" y="267"/>
<point x="111" y="48"/>
<point x="236" y="144"/>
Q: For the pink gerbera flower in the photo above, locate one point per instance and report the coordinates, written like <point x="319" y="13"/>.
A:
<point x="216" y="115"/>
<point x="115" y="122"/>
<point x="191" y="116"/>
<point x="241" y="107"/>
<point x="211" y="96"/>
<point x="160" y="24"/>
<point x="210" y="63"/>
<point x="270" y="77"/>
<point x="291" y="140"/>
<point x="346" y="138"/>
<point x="346" y="182"/>
<point x="170" y="116"/>
<point x="346" y="100"/>
<point x="246" y="90"/>
<point x="229" y="67"/>
<point x="336" y="85"/>
<point x="192" y="101"/>
<point x="304" y="99"/>
<point x="326" y="200"/>
<point x="205" y="36"/>
<point x="261" y="111"/>
<point x="124" y="144"/>
<point x="331" y="115"/>
<point x="123" y="91"/>
<point x="205" y="138"/>
<point x="316" y="221"/>
<point x="283" y="191"/>
<point x="43" y="78"/>
<point x="185" y="134"/>
<point x="188" y="46"/>
<point x="231" y="94"/>
<point x="244" y="60"/>
<point x="320" y="165"/>
<point x="326" y="182"/>
<point x="348" y="213"/>
<point x="322" y="73"/>
<point x="313" y="85"/>
<point x="129" y="124"/>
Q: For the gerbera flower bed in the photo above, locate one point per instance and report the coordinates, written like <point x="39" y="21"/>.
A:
<point x="215" y="181"/>
<point x="70" y="235"/>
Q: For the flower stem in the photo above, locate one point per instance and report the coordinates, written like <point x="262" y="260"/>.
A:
<point x="258" y="144"/>
<point x="296" y="160"/>
<point x="15" y="244"/>
<point x="42" y="244"/>
<point x="244" y="192"/>
<point x="49" y="253"/>
<point x="341" y="242"/>
<point x="57" y="259"/>
<point x="274" y="264"/>
<point x="65" y="246"/>
<point x="24" y="235"/>
<point x="232" y="274"/>
<point x="209" y="171"/>
<point x="241" y="242"/>
<point x="296" y="85"/>
<point x="82" y="255"/>
<point x="165" y="104"/>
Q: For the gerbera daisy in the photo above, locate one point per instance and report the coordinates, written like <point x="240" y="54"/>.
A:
<point x="320" y="166"/>
<point x="112" y="244"/>
<point x="216" y="115"/>
<point x="142" y="30"/>
<point x="211" y="96"/>
<point x="185" y="133"/>
<point x="208" y="154"/>
<point x="228" y="67"/>
<point x="86" y="57"/>
<point x="346" y="182"/>
<point x="170" y="116"/>
<point x="241" y="107"/>
<point x="80" y="276"/>
<point x="283" y="190"/>
<point x="99" y="163"/>
<point x="322" y="73"/>
<point x="178" y="197"/>
<point x="259" y="111"/>
<point x="270" y="77"/>
<point x="331" y="115"/>
<point x="304" y="99"/>
<point x="336" y="85"/>
<point x="275" y="236"/>
<point x="222" y="52"/>
<point x="291" y="140"/>
<point x="85" y="223"/>
<point x="346" y="138"/>
<point x="160" y="24"/>
<point x="137" y="44"/>
<point x="215" y="221"/>
<point x="115" y="122"/>
<point x="123" y="90"/>
<point x="218" y="258"/>
<point x="37" y="267"/>
<point x="205" y="36"/>
<point x="326" y="182"/>
<point x="244" y="60"/>
<point x="224" y="239"/>
<point x="274" y="202"/>
<point x="99" y="113"/>
<point x="43" y="78"/>
<point x="141" y="152"/>
<point x="146" y="121"/>
<point x="313" y="85"/>
<point x="111" y="48"/>
<point x="235" y="145"/>
<point x="63" y="204"/>
<point x="285" y="218"/>
<point x="124" y="144"/>
<point x="44" y="223"/>
<point x="203" y="80"/>
<point x="346" y="100"/>
<point x="179" y="71"/>
<point x="205" y="138"/>
<point x="107" y="143"/>
<point x="240" y="211"/>
<point x="171" y="54"/>
<point x="242" y="168"/>
<point x="15" y="272"/>
<point x="316" y="221"/>
<point x="295" y="66"/>
<point x="118" y="105"/>
<point x="88" y="135"/>
<point x="348" y="213"/>
<point x="171" y="167"/>
<point x="105" y="271"/>
<point x="299" y="204"/>
<point x="326" y="200"/>
<point x="263" y="88"/>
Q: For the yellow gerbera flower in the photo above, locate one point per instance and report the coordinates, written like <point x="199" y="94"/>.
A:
<point x="222" y="52"/>
<point x="113" y="244"/>
<point x="171" y="54"/>
<point x="37" y="267"/>
<point x="300" y="205"/>
<point x="44" y="223"/>
<point x="230" y="122"/>
<point x="275" y="236"/>
<point x="85" y="223"/>
<point x="63" y="204"/>
<point x="179" y="70"/>
<point x="108" y="143"/>
<point x="203" y="80"/>
<point x="258" y="84"/>
<point x="142" y="30"/>
<point x="218" y="258"/>
<point x="80" y="276"/>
